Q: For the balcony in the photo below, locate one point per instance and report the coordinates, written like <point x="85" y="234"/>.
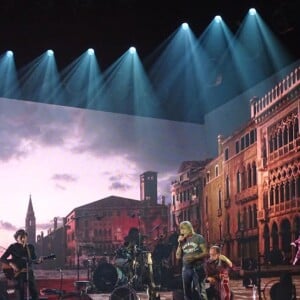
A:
<point x="292" y="146"/>
<point x="285" y="207"/>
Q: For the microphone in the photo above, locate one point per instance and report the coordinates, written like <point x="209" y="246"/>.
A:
<point x="181" y="238"/>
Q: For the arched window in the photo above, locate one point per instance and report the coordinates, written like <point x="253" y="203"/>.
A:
<point x="281" y="188"/>
<point x="279" y="138"/>
<point x="220" y="199"/>
<point x="249" y="176"/>
<point x="271" y="144"/>
<point x="243" y="179"/>
<point x="227" y="187"/>
<point x="272" y="196"/>
<point x="238" y="181"/>
<point x="245" y="218"/>
<point x="254" y="216"/>
<point x="216" y="170"/>
<point x="291" y="132"/>
<point x="296" y="128"/>
<point x="275" y="145"/>
<point x="250" y="217"/>
<point x="287" y="191"/>
<point x="254" y="178"/>
<point x="285" y="135"/>
<point x="293" y="188"/>
<point x="276" y="194"/>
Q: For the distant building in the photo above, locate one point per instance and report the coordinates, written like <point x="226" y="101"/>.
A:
<point x="99" y="228"/>
<point x="187" y="193"/>
<point x="148" y="187"/>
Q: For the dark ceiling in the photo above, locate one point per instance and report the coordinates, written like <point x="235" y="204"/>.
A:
<point x="69" y="27"/>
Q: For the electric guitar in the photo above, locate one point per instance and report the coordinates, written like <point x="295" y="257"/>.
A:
<point x="11" y="274"/>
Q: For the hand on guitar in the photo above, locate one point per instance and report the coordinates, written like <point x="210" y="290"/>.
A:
<point x="39" y="260"/>
<point x="13" y="267"/>
<point x="11" y="271"/>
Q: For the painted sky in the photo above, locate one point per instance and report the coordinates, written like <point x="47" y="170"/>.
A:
<point x="66" y="157"/>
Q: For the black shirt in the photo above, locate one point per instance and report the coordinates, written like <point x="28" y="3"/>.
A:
<point x="19" y="255"/>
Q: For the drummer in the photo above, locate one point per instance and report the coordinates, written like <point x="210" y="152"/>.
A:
<point x="123" y="255"/>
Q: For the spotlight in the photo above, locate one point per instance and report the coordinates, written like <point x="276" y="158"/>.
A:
<point x="218" y="19"/>
<point x="9" y="53"/>
<point x="252" y="11"/>
<point x="132" y="50"/>
<point x="185" y="26"/>
<point x="50" y="52"/>
<point x="90" y="51"/>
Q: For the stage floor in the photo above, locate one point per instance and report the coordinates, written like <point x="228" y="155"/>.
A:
<point x="141" y="296"/>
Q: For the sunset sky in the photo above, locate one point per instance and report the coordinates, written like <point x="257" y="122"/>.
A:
<point x="66" y="157"/>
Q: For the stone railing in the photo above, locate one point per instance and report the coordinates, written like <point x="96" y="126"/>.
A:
<point x="259" y="106"/>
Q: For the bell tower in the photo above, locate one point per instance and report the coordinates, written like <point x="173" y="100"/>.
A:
<point x="148" y="187"/>
<point x="30" y="225"/>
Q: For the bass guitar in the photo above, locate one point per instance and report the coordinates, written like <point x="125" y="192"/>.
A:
<point x="11" y="274"/>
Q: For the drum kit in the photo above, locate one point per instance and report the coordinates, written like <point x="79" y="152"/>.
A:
<point x="130" y="271"/>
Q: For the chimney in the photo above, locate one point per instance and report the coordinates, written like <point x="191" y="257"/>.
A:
<point x="55" y="223"/>
<point x="220" y="141"/>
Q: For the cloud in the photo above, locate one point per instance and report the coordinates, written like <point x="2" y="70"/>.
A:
<point x="119" y="186"/>
<point x="26" y="125"/>
<point x="151" y="144"/>
<point x="7" y="226"/>
<point x="64" y="177"/>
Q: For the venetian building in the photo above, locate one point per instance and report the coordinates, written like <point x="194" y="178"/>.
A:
<point x="186" y="193"/>
<point x="214" y="209"/>
<point x="276" y="115"/>
<point x="240" y="194"/>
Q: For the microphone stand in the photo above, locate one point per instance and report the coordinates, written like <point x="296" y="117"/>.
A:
<point x="27" y="278"/>
<point x="28" y="264"/>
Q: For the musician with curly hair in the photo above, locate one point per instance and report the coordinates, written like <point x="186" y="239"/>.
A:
<point x="19" y="258"/>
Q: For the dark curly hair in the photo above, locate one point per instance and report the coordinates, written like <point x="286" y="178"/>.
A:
<point x="20" y="232"/>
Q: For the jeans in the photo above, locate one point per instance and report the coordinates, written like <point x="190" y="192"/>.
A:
<point x="21" y="286"/>
<point x="193" y="279"/>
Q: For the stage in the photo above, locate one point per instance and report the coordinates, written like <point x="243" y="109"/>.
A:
<point x="168" y="295"/>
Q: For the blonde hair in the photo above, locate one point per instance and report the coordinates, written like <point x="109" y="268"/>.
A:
<point x="188" y="225"/>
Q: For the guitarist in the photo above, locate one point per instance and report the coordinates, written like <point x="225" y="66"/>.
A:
<point x="19" y="257"/>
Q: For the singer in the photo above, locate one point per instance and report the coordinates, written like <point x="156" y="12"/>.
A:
<point x="19" y="258"/>
<point x="192" y="250"/>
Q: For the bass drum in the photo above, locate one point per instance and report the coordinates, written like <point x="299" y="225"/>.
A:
<point x="123" y="292"/>
<point x="105" y="277"/>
